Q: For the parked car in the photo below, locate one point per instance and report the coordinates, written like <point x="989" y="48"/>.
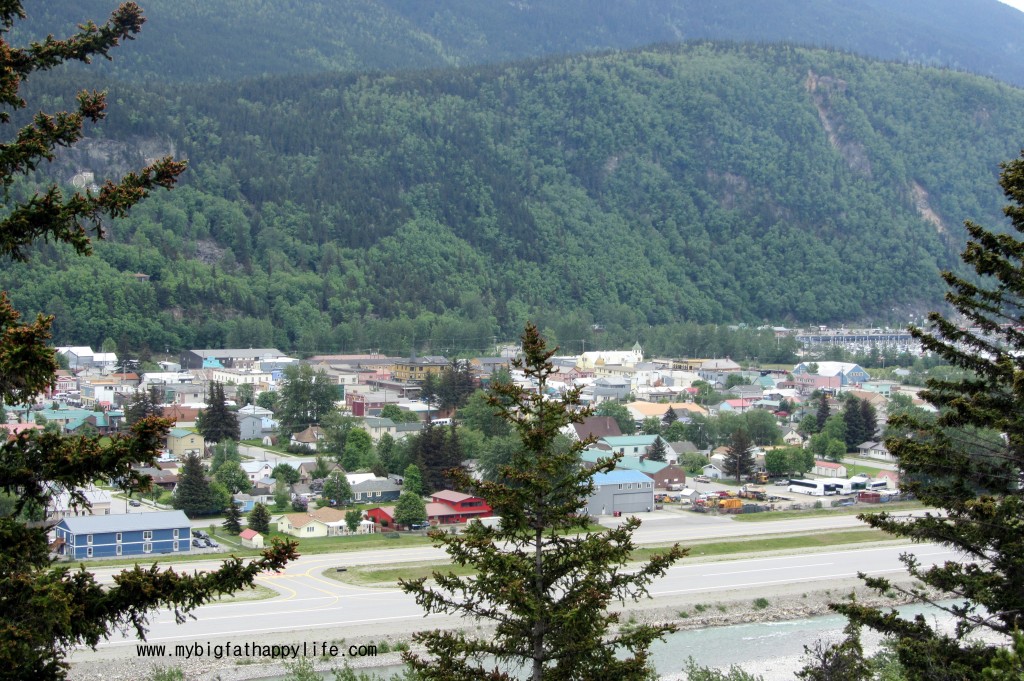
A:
<point x="420" y="526"/>
<point x="134" y="502"/>
<point x="211" y="543"/>
<point x="199" y="534"/>
<point x="702" y="478"/>
<point x="197" y="544"/>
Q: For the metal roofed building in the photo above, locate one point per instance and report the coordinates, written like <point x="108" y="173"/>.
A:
<point x="130" y="534"/>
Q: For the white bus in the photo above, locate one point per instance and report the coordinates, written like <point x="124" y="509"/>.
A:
<point x="817" y="488"/>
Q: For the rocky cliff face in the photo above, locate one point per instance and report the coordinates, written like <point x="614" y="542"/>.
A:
<point x="107" y="159"/>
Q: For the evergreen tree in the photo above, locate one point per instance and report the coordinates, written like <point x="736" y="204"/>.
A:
<point x="217" y="423"/>
<point x="413" y="481"/>
<point x="145" y="404"/>
<point x="853" y="417"/>
<point x="869" y="418"/>
<point x="555" y="620"/>
<point x="232" y="519"/>
<point x="657" y="451"/>
<point x="739" y="457"/>
<point x="824" y="412"/>
<point x="305" y="398"/>
<point x="259" y="518"/>
<point x="192" y="493"/>
<point x="455" y="385"/>
<point x="966" y="462"/>
<point x="670" y="416"/>
<point x="436" y="451"/>
<point x="410" y="509"/>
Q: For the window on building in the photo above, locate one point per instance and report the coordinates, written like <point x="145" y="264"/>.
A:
<point x="117" y="550"/>
<point x="88" y="552"/>
<point x="175" y="535"/>
<point x="147" y="535"/>
<point x="117" y="537"/>
<point x="147" y="548"/>
<point x="174" y="546"/>
<point x="309" y="528"/>
<point x="88" y="539"/>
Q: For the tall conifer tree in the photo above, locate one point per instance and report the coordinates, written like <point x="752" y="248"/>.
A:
<point x="968" y="462"/>
<point x="49" y="609"/>
<point x="544" y="583"/>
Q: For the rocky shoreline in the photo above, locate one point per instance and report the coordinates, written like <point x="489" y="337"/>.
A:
<point x="694" y="611"/>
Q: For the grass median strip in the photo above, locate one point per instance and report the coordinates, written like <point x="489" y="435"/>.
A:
<point x="388" y="576"/>
<point x="769" y="516"/>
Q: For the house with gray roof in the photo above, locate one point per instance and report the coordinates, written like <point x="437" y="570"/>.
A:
<point x="129" y="534"/>
<point x="377" y="490"/>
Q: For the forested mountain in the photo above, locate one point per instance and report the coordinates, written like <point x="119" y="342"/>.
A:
<point x="699" y="183"/>
<point x="231" y="39"/>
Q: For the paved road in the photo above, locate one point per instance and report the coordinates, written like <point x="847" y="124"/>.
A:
<point x="307" y="600"/>
<point x="323" y="608"/>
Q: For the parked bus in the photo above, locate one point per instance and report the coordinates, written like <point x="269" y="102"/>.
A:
<point x="817" y="488"/>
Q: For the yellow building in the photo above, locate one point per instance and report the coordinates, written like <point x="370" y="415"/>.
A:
<point x="181" y="443"/>
<point x="416" y="369"/>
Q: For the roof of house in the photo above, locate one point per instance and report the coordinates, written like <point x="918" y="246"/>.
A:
<point x="243" y="353"/>
<point x="598" y="427"/>
<point x="311" y="434"/>
<point x="127" y="522"/>
<point x="376" y="485"/>
<point x="632" y="463"/>
<point x="452" y="496"/>
<point x="828" y="464"/>
<point x="648" y="409"/>
<point x="325" y="515"/>
<point x="249" y="533"/>
<point x="436" y="510"/>
<point x="630" y="440"/>
<point x="618" y="477"/>
<point x="378" y="422"/>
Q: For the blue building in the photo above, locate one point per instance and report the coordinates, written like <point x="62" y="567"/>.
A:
<point x="131" y="534"/>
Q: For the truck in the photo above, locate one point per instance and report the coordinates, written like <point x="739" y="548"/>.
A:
<point x="753" y="492"/>
<point x="758" y="478"/>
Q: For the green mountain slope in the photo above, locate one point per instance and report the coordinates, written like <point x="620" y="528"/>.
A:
<point x="705" y="183"/>
<point x="231" y="39"/>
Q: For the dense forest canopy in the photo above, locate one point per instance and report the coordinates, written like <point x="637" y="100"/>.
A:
<point x="186" y="40"/>
<point x="702" y="183"/>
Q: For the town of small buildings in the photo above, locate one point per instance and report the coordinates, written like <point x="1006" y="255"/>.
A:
<point x="89" y="398"/>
